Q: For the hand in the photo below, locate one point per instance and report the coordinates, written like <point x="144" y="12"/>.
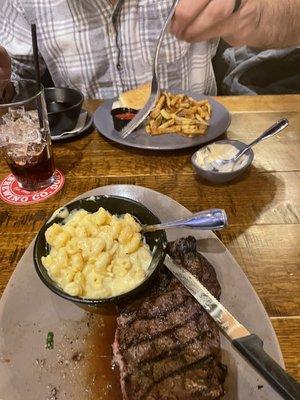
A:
<point x="200" y="20"/>
<point x="5" y="64"/>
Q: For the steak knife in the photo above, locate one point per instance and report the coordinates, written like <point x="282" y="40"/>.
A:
<point x="249" y="345"/>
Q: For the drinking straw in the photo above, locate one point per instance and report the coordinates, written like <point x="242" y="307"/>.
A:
<point x="37" y="71"/>
<point x="36" y="56"/>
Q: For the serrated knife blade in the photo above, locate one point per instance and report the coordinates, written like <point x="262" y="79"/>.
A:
<point x="249" y="345"/>
<point x="229" y="325"/>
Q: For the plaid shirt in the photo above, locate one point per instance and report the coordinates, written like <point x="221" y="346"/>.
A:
<point x="103" y="49"/>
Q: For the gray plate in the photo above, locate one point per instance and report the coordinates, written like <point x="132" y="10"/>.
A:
<point x="28" y="310"/>
<point x="219" y="123"/>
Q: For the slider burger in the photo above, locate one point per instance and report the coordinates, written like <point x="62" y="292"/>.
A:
<point x="135" y="98"/>
<point x="128" y="104"/>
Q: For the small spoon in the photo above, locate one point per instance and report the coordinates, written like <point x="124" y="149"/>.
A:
<point x="273" y="130"/>
<point x="213" y="219"/>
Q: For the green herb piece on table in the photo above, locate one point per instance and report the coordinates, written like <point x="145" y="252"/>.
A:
<point x="50" y="341"/>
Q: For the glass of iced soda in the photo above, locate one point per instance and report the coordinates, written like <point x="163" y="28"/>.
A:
<point x="25" y="140"/>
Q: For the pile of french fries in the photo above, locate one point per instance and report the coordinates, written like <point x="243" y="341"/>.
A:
<point x="179" y="113"/>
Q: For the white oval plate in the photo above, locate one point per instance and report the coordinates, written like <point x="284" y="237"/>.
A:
<point x="28" y="310"/>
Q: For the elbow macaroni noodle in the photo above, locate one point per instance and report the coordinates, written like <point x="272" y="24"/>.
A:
<point x="96" y="255"/>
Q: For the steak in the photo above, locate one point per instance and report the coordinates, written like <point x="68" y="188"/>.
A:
<point x="166" y="346"/>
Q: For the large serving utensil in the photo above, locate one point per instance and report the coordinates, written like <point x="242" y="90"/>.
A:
<point x="155" y="90"/>
<point x="213" y="219"/>
<point x="249" y="345"/>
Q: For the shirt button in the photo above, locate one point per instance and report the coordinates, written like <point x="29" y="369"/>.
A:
<point x="119" y="66"/>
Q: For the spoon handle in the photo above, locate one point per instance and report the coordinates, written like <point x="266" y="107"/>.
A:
<point x="273" y="130"/>
<point x="213" y="219"/>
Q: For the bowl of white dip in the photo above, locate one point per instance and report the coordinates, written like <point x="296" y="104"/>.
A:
<point x="205" y="161"/>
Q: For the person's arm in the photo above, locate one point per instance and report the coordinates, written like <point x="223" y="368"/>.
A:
<point x="15" y="38"/>
<point x="257" y="23"/>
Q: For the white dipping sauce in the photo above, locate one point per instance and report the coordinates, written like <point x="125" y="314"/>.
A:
<point x="207" y="156"/>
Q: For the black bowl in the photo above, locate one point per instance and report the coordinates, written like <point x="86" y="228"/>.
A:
<point x="120" y="123"/>
<point x="63" y="106"/>
<point x="116" y="205"/>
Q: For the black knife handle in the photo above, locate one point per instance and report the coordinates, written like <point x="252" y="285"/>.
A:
<point x="251" y="347"/>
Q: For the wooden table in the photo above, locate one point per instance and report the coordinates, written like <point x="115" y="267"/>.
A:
<point x="263" y="206"/>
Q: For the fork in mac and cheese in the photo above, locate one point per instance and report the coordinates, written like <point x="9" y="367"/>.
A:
<point x="96" y="255"/>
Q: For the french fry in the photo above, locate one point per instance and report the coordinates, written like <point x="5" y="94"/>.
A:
<point x="155" y="113"/>
<point x="159" y="120"/>
<point x="168" y="100"/>
<point x="165" y="114"/>
<point x="174" y="101"/>
<point x="181" y="114"/>
<point x="172" y="129"/>
<point x="188" y="129"/>
<point x="201" y="103"/>
<point x="185" y="105"/>
<point x="198" y="117"/>
<point x="183" y="121"/>
<point x="208" y="108"/>
<point x="166" y="125"/>
<point x="192" y="130"/>
<point x="152" y="125"/>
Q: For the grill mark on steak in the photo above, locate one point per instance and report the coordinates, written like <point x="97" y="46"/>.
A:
<point x="171" y="351"/>
<point x="191" y="384"/>
<point x="158" y="335"/>
<point x="145" y="384"/>
<point x="156" y="312"/>
<point x="179" y="371"/>
<point x="189" y="354"/>
<point x="166" y="345"/>
<point x="186" y="355"/>
<point x="163" y="346"/>
<point x="143" y="330"/>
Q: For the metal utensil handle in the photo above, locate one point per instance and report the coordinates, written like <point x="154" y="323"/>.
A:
<point x="273" y="130"/>
<point x="161" y="36"/>
<point x="213" y="219"/>
<point x="251" y="347"/>
<point x="155" y="88"/>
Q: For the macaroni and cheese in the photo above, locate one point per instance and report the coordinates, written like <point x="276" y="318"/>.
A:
<point x="96" y="255"/>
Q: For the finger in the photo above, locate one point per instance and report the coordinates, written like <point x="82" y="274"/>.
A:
<point x="237" y="30"/>
<point x="5" y="64"/>
<point x="185" y="13"/>
<point x="215" y="13"/>
<point x="217" y="30"/>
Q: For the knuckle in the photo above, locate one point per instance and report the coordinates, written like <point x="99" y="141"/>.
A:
<point x="188" y="37"/>
<point x="183" y="10"/>
<point x="219" y="12"/>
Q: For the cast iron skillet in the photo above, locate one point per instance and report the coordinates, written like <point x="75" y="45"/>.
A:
<point x="63" y="106"/>
<point x="157" y="242"/>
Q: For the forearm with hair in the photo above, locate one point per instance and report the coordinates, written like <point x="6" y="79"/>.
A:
<point x="279" y="24"/>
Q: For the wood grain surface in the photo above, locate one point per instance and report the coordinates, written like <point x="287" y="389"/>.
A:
<point x="263" y="206"/>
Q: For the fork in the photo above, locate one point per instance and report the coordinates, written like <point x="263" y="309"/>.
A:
<point x="155" y="90"/>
